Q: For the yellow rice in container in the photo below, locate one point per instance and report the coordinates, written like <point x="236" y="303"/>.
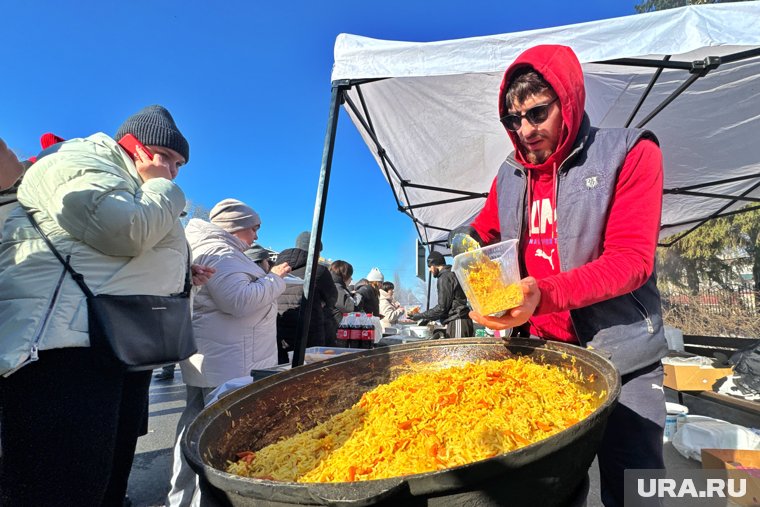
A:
<point x="436" y="418"/>
<point x="485" y="283"/>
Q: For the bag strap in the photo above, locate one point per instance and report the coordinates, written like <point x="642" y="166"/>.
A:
<point x="188" y="280"/>
<point x="79" y="278"/>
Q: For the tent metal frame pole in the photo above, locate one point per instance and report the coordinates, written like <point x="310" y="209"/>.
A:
<point x="365" y="121"/>
<point x="369" y="129"/>
<point x="648" y="62"/>
<point x="713" y="183"/>
<point x="741" y="55"/>
<point x="719" y="213"/>
<point x="386" y="163"/>
<point x="722" y="215"/>
<point x="309" y="283"/>
<point x="366" y="124"/>
<point x="711" y="195"/>
<point x="644" y="95"/>
<point x="434" y="227"/>
<point x="697" y="69"/>
<point x="670" y="98"/>
<point x="436" y="203"/>
<point x="406" y="183"/>
<point x="702" y="221"/>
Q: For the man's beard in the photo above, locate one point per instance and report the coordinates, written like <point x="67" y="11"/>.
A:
<point x="537" y="157"/>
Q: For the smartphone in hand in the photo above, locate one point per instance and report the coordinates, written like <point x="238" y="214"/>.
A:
<point x="130" y="144"/>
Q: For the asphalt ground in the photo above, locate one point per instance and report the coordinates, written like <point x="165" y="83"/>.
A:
<point x="151" y="470"/>
<point x="152" y="467"/>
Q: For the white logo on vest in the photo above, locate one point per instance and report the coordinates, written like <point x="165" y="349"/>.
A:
<point x="591" y="182"/>
<point x="542" y="254"/>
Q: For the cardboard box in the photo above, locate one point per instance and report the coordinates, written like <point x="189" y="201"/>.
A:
<point x="740" y="464"/>
<point x="692" y="378"/>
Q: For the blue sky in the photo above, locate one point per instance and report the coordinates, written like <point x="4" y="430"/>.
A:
<point x="248" y="83"/>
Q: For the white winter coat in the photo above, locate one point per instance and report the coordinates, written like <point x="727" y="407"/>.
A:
<point x="390" y="310"/>
<point x="234" y="313"/>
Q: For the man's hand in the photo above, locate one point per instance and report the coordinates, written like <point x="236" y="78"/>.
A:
<point x="516" y="316"/>
<point x="414" y="316"/>
<point x="10" y="167"/>
<point x="201" y="274"/>
<point x="148" y="168"/>
<point x="281" y="269"/>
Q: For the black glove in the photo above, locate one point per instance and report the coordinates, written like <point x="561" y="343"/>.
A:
<point x="415" y="316"/>
<point x="720" y="360"/>
<point x="747" y="369"/>
<point x="463" y="238"/>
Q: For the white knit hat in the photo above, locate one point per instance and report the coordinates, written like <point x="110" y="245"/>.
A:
<point x="375" y="275"/>
<point x="233" y="215"/>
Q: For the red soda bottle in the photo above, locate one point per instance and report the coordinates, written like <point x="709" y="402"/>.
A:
<point x="355" y="335"/>
<point x="365" y="332"/>
<point x="370" y="332"/>
<point x="341" y="340"/>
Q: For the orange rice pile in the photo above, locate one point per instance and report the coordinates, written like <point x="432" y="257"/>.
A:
<point x="439" y="417"/>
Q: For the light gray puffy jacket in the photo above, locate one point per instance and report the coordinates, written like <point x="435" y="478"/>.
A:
<point x="123" y="235"/>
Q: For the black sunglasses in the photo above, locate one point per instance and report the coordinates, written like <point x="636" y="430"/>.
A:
<point x="535" y="115"/>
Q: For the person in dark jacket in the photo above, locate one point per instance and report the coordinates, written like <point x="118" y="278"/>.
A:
<point x="341" y="272"/>
<point x="368" y="293"/>
<point x="452" y="309"/>
<point x="291" y="300"/>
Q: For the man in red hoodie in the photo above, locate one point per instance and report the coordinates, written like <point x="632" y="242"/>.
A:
<point x="585" y="204"/>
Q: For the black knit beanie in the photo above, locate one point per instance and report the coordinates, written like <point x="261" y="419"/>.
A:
<point x="155" y="126"/>
<point x="435" y="259"/>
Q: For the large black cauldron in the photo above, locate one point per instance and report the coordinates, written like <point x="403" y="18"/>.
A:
<point x="546" y="473"/>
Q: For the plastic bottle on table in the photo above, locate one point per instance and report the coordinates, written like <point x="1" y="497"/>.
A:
<point x="370" y="332"/>
<point x="355" y="335"/>
<point x="367" y="331"/>
<point x="344" y="331"/>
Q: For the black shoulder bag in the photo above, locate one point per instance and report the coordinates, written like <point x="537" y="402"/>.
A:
<point x="138" y="332"/>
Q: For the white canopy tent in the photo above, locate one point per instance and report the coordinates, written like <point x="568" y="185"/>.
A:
<point x="428" y="111"/>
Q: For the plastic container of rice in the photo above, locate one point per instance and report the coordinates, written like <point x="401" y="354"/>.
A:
<point x="490" y="277"/>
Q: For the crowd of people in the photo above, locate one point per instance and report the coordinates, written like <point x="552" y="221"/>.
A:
<point x="591" y="197"/>
<point x="116" y="216"/>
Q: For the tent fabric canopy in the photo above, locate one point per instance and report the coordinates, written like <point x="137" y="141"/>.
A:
<point x="428" y="111"/>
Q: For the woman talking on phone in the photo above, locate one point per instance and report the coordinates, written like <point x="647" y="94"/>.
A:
<point x="69" y="418"/>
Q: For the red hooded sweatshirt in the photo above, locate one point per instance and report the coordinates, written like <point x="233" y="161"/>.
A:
<point x="633" y="225"/>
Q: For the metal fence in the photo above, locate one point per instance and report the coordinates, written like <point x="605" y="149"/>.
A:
<point x="719" y="301"/>
<point x="713" y="311"/>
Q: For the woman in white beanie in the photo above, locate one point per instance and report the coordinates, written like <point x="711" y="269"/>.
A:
<point x="227" y="317"/>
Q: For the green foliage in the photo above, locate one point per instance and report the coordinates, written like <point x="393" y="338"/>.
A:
<point x="712" y="251"/>
<point x="661" y="5"/>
